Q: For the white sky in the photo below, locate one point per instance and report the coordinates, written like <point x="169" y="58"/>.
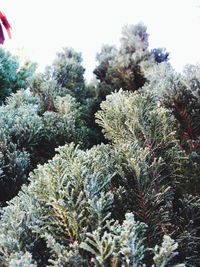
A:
<point x="42" y="27"/>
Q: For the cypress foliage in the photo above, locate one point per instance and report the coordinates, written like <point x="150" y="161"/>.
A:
<point x="28" y="137"/>
<point x="13" y="74"/>
<point x="85" y="203"/>
<point x="132" y="201"/>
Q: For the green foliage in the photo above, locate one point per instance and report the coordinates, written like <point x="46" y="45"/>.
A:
<point x="45" y="90"/>
<point x="20" y="132"/>
<point x="12" y="75"/>
<point x="65" y="124"/>
<point x="80" y="199"/>
<point x="60" y="196"/>
<point x="28" y="137"/>
<point x="123" y="67"/>
<point x="47" y="87"/>
<point x="34" y="122"/>
<point x="23" y="260"/>
<point x="138" y="131"/>
<point x="126" y="67"/>
<point x="64" y="76"/>
<point x="157" y="172"/>
<point x="77" y="227"/>
<point x="179" y="93"/>
<point x="67" y="70"/>
<point x="166" y="252"/>
<point x="122" y="245"/>
<point x="131" y="202"/>
<point x="192" y="77"/>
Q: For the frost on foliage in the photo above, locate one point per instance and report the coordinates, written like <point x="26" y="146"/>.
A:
<point x="109" y="205"/>
<point x="126" y="116"/>
<point x="22" y="125"/>
<point x="21" y="260"/>
<point x="166" y="252"/>
<point x="118" y="244"/>
<point x="55" y="208"/>
<point x="22" y="98"/>
<point x="131" y="240"/>
<point x="61" y="256"/>
<point x="28" y="137"/>
<point x="161" y="79"/>
<point x="57" y="205"/>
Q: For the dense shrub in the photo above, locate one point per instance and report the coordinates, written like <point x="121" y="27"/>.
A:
<point x="28" y="138"/>
<point x="13" y="74"/>
<point x="131" y="201"/>
<point x="112" y="204"/>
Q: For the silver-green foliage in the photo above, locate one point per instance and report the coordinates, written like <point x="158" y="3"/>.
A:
<point x="101" y="206"/>
<point x="13" y="73"/>
<point x="61" y="126"/>
<point x="153" y="164"/>
<point x="57" y="208"/>
<point x="28" y="138"/>
<point x="21" y="129"/>
<point x="121" y="243"/>
<point x="54" y="204"/>
<point x="166" y="252"/>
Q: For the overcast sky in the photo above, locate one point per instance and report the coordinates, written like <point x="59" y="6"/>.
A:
<point x="40" y="28"/>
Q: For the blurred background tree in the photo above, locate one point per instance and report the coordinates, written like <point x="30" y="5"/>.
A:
<point x="13" y="76"/>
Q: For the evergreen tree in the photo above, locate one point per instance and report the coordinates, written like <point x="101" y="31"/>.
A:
<point x="29" y="137"/>
<point x="82" y="198"/>
<point x="68" y="71"/>
<point x="12" y="75"/>
<point x="133" y="201"/>
<point x="126" y="67"/>
<point x="47" y="86"/>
